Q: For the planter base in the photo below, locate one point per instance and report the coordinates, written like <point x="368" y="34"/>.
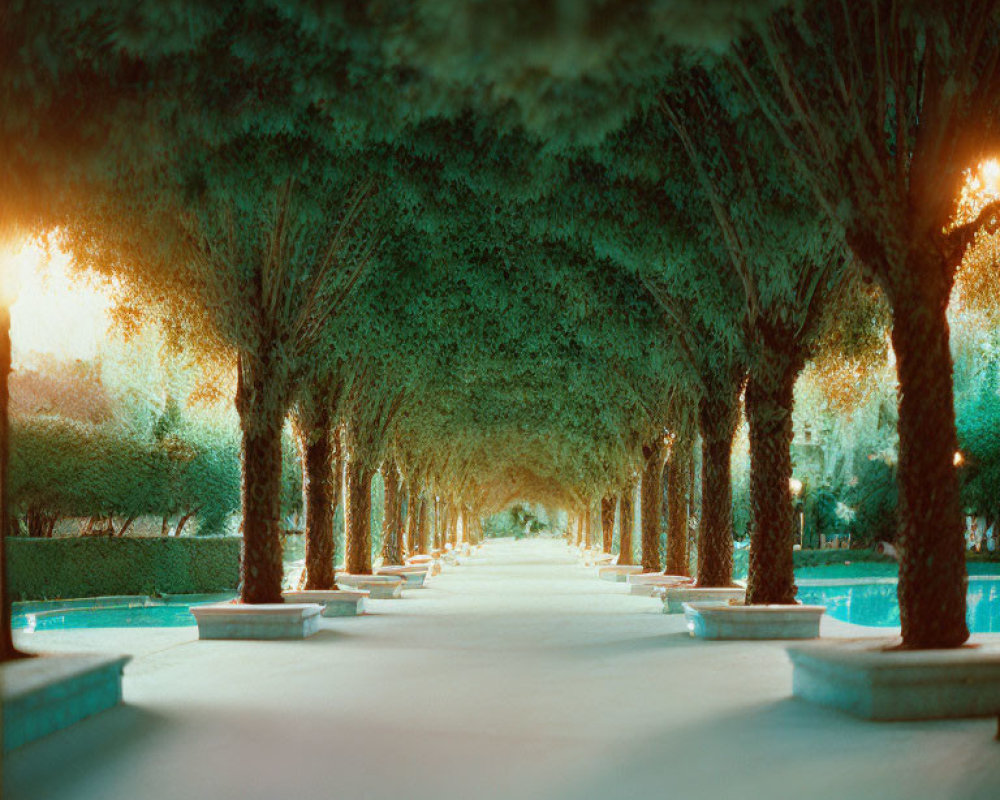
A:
<point x="718" y="621"/>
<point x="414" y="576"/>
<point x="619" y="572"/>
<point x="379" y="587"/>
<point x="47" y="693"/>
<point x="674" y="597"/>
<point x="649" y="584"/>
<point x="265" y="621"/>
<point x="335" y="602"/>
<point x="863" y="678"/>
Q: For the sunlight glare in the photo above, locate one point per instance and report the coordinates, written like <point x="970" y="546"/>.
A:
<point x="52" y="312"/>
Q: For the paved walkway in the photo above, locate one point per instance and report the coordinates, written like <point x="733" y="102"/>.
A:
<point x="517" y="675"/>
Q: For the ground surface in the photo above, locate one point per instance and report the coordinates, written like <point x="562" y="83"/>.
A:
<point x="517" y="675"/>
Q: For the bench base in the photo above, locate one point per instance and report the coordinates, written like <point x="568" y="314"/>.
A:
<point x="47" y="693"/>
<point x="718" y="621"/>
<point x="335" y="602"/>
<point x="264" y="621"/>
<point x="864" y="678"/>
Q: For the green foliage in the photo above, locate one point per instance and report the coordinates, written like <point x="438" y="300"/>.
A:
<point x="46" y="569"/>
<point x="79" y="469"/>
<point x="819" y="507"/>
<point x="541" y="272"/>
<point x="828" y="563"/>
<point x="979" y="442"/>
<point x="520" y="520"/>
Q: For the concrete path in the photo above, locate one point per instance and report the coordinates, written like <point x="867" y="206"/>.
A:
<point x="518" y="675"/>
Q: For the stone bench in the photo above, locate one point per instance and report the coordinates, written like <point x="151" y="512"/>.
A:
<point x="723" y="621"/>
<point x="674" y="597"/>
<point x="379" y="587"/>
<point x="263" y="621"/>
<point x="869" y="678"/>
<point x="619" y="572"/>
<point x="47" y="693"/>
<point x="414" y="575"/>
<point x="335" y="602"/>
<point x="646" y="583"/>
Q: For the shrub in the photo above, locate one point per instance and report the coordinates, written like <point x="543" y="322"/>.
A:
<point x="42" y="569"/>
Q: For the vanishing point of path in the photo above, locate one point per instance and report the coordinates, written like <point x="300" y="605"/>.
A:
<point x="517" y="675"/>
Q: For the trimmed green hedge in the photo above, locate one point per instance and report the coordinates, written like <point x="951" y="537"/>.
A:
<point x="815" y="558"/>
<point x="45" y="569"/>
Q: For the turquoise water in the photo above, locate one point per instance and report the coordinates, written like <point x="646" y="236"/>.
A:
<point x="873" y="602"/>
<point x="138" y="612"/>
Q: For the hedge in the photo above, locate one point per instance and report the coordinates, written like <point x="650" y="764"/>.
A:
<point x="45" y="569"/>
<point x="815" y="558"/>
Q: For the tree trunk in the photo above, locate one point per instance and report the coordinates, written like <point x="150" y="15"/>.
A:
<point x="608" y="506"/>
<point x="320" y="488"/>
<point x="649" y="509"/>
<point x="409" y="522"/>
<point x="718" y="417"/>
<point x="932" y="574"/>
<point x="390" y="519"/>
<point x="261" y="569"/>
<point x="475" y="529"/>
<point x="769" y="399"/>
<point x="444" y="523"/>
<point x="453" y="525"/>
<point x="626" y="521"/>
<point x="423" y="523"/>
<point x="435" y="530"/>
<point x="128" y="524"/>
<point x="359" y="518"/>
<point x="182" y="522"/>
<point x="35" y="523"/>
<point x="678" y="492"/>
<point x="7" y="650"/>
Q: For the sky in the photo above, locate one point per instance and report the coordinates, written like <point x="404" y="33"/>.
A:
<point x="52" y="313"/>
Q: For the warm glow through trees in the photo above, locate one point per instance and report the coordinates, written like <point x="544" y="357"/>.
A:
<point x="53" y="311"/>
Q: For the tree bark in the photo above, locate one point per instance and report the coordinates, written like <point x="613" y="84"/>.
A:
<point x="409" y="522"/>
<point x="390" y="519"/>
<point x="423" y="523"/>
<point x="436" y="537"/>
<point x="261" y="418"/>
<point x="932" y="573"/>
<point x="359" y="518"/>
<point x="609" y="504"/>
<point x="678" y="492"/>
<point x="718" y="417"/>
<point x="128" y="524"/>
<point x="626" y="521"/>
<point x="320" y="488"/>
<point x="7" y="650"/>
<point x="475" y="528"/>
<point x="182" y="522"/>
<point x="453" y="525"/>
<point x="652" y="477"/>
<point x="769" y="400"/>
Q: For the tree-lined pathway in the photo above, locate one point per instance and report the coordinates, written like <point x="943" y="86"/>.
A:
<point x="515" y="675"/>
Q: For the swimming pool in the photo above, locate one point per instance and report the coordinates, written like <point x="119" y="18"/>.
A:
<point x="872" y="601"/>
<point x="113" y="612"/>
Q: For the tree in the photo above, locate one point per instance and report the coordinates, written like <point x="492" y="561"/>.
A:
<point x="882" y="110"/>
<point x="392" y="522"/>
<point x="626" y="523"/>
<point x="652" y="475"/>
